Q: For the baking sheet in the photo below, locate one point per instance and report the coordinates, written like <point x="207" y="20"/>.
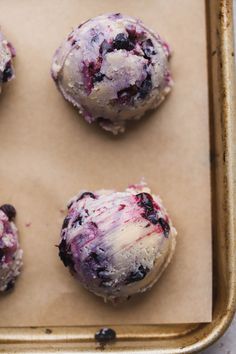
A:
<point x="48" y="153"/>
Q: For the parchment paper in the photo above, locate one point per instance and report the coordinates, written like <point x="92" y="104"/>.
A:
<point x="48" y="153"/>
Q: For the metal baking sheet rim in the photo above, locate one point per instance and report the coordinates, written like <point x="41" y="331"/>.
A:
<point x="184" y="338"/>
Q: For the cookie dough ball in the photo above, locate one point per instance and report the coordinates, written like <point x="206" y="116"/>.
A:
<point x="10" y="251"/>
<point x="113" y="69"/>
<point x="7" y="52"/>
<point x="117" y="244"/>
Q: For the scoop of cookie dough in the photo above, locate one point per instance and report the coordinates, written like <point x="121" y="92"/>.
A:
<point x="10" y="251"/>
<point x="117" y="244"/>
<point x="113" y="69"/>
<point x="7" y="52"/>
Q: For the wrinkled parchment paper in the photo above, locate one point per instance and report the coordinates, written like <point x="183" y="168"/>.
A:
<point x="48" y="153"/>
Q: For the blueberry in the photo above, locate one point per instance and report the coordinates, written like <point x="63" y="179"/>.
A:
<point x="94" y="260"/>
<point x="105" y="335"/>
<point x="146" y="87"/>
<point x="94" y="263"/>
<point x="9" y="210"/>
<point x="78" y="219"/>
<point x="145" y="200"/>
<point x="122" y="42"/>
<point x="98" y="77"/>
<point x="94" y="256"/>
<point x="7" y="73"/>
<point x="65" y="254"/>
<point x="105" y="47"/>
<point x="65" y="223"/>
<point x="165" y="226"/>
<point x="86" y="194"/>
<point x="125" y="95"/>
<point x="148" y="49"/>
<point x="153" y="218"/>
<point x="10" y="285"/>
<point x="138" y="275"/>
